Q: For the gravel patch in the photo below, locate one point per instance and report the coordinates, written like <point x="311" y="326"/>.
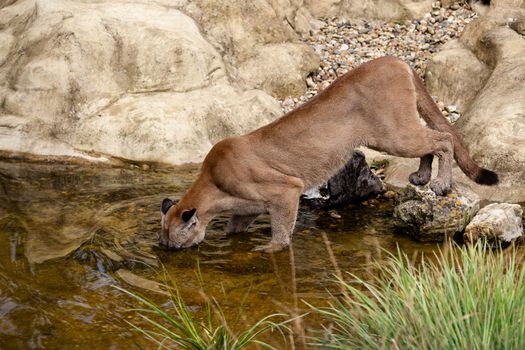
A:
<point x="345" y="44"/>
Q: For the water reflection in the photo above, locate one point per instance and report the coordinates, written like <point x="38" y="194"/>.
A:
<point x="69" y="232"/>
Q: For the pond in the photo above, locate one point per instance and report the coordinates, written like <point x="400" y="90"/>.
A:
<point x="70" y="232"/>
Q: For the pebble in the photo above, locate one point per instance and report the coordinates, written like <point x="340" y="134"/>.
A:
<point x="334" y="214"/>
<point x="390" y="194"/>
<point x="453" y="117"/>
<point x="345" y="44"/>
<point x="451" y="108"/>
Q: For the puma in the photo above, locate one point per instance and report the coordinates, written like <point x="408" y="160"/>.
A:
<point x="375" y="105"/>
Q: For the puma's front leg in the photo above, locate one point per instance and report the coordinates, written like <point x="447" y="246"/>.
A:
<point x="240" y="223"/>
<point x="283" y="213"/>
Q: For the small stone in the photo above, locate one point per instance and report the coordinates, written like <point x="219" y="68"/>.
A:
<point x="496" y="223"/>
<point x="454" y="6"/>
<point x="390" y="194"/>
<point x="454" y="117"/>
<point x="310" y="82"/>
<point x="343" y="47"/>
<point x="145" y="167"/>
<point x="451" y="108"/>
<point x="335" y="215"/>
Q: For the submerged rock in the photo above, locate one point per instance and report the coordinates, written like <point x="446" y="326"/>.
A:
<point x="141" y="282"/>
<point x="353" y="183"/>
<point x="431" y="218"/>
<point x="496" y="223"/>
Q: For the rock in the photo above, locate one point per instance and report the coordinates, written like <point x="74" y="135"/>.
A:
<point x="491" y="126"/>
<point x="431" y="218"/>
<point x="482" y="74"/>
<point x="135" y="79"/>
<point x="353" y="183"/>
<point x="183" y="126"/>
<point x="497" y="223"/>
<point x="390" y="194"/>
<point x="272" y="58"/>
<point x="141" y="282"/>
<point x="518" y="26"/>
<point x="279" y="69"/>
<point x="451" y="108"/>
<point x="454" y="117"/>
<point x="385" y="9"/>
<point x="456" y="75"/>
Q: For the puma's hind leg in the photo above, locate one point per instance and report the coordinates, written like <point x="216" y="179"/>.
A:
<point x="420" y="143"/>
<point x="423" y="174"/>
<point x="240" y="223"/>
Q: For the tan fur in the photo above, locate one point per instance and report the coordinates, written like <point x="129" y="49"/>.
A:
<point x="375" y="105"/>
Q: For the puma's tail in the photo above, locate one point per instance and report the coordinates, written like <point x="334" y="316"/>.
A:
<point x="430" y="112"/>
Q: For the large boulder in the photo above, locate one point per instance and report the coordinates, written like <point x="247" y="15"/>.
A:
<point x="482" y="73"/>
<point x="138" y="79"/>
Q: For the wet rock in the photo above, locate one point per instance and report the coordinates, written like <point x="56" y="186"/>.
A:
<point x="390" y="194"/>
<point x="430" y="218"/>
<point x="140" y="282"/>
<point x="498" y="223"/>
<point x="353" y="183"/>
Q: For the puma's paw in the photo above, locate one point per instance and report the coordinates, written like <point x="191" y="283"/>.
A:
<point x="439" y="187"/>
<point x="270" y="247"/>
<point x="417" y="179"/>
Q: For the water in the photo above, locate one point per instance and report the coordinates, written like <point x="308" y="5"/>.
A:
<point x="68" y="233"/>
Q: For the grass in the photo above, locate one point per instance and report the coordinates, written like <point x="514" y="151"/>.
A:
<point x="465" y="298"/>
<point x="462" y="298"/>
<point x="182" y="330"/>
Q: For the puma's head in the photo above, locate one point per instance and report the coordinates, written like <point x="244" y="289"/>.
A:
<point x="180" y="227"/>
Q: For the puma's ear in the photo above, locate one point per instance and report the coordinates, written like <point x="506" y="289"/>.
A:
<point x="166" y="205"/>
<point x="188" y="214"/>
